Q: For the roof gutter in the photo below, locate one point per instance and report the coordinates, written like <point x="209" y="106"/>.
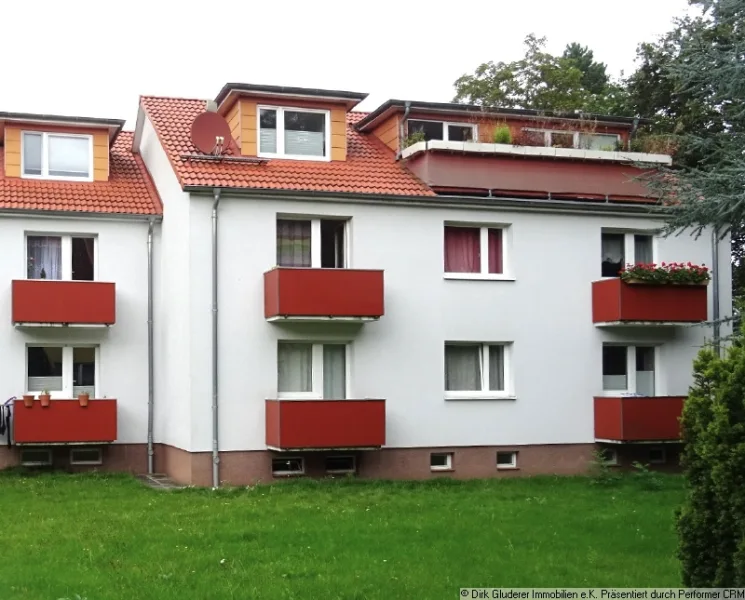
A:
<point x="455" y="201"/>
<point x="68" y="214"/>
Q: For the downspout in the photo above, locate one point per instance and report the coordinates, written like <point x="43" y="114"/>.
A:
<point x="215" y="446"/>
<point x="632" y="135"/>
<point x="715" y="290"/>
<point x="401" y="130"/>
<point x="150" y="350"/>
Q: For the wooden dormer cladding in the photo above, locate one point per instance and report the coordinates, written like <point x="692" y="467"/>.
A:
<point x="388" y="132"/>
<point x="242" y="117"/>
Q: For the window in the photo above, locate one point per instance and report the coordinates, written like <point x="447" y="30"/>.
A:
<point x="60" y="257"/>
<point x="656" y="455"/>
<point x="294" y="133"/>
<point x="312" y="370"/>
<point x="599" y="141"/>
<point x="340" y="464"/>
<point x="64" y="371"/>
<point x="475" y="370"/>
<point x="312" y="243"/>
<point x="476" y="250"/>
<point x="85" y="456"/>
<point x="554" y="138"/>
<point x="57" y="156"/>
<point x="288" y="466"/>
<point x="629" y="369"/>
<point x="620" y="249"/>
<point x="609" y="456"/>
<point x="36" y="457"/>
<point x="507" y="460"/>
<point x="441" y="461"/>
<point x="442" y="130"/>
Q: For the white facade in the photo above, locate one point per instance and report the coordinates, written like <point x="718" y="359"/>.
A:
<point x="544" y="314"/>
<point x="121" y="361"/>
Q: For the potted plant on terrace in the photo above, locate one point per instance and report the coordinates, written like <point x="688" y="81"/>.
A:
<point x="44" y="397"/>
<point x="83" y="398"/>
<point x="28" y="400"/>
<point x="666" y="274"/>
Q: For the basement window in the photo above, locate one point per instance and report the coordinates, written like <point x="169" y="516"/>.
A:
<point x="442" y="130"/>
<point x="36" y="457"/>
<point x="311" y="243"/>
<point x="441" y="461"/>
<point x="57" y="156"/>
<point x="506" y="460"/>
<point x="609" y="457"/>
<point x="86" y="456"/>
<point x="288" y="466"/>
<point x="340" y="464"/>
<point x="656" y="456"/>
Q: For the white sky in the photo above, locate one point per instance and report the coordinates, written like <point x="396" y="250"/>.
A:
<point x="95" y="57"/>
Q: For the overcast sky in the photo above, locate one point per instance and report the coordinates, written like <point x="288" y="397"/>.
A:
<point x="95" y="57"/>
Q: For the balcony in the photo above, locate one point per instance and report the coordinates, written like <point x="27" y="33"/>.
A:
<point x="615" y="302"/>
<point x="325" y="424"/>
<point x="65" y="422"/>
<point x="638" y="419"/>
<point x="301" y="294"/>
<point x="46" y="302"/>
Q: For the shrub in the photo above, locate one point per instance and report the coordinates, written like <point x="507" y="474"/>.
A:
<point x="601" y="470"/>
<point x="503" y="134"/>
<point x="649" y="480"/>
<point x="417" y="136"/>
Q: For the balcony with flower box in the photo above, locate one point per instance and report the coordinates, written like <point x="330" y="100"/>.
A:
<point x="48" y="302"/>
<point x="65" y="422"/>
<point x="625" y="419"/>
<point x="317" y="294"/>
<point x="668" y="294"/>
<point x="325" y="424"/>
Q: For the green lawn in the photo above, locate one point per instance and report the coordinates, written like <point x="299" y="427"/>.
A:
<point x="100" y="537"/>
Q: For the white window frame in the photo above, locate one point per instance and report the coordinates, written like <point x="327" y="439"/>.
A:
<point x="484" y="394"/>
<point x="67" y="369"/>
<point x="547" y="133"/>
<point x="631" y="370"/>
<point x="629" y="249"/>
<point x="316" y="392"/>
<point x="287" y="473"/>
<point x="65" y="253"/>
<point x="37" y="463"/>
<point x="75" y="462"/>
<point x="45" y="156"/>
<point x="445" y="125"/>
<point x="353" y="469"/>
<point x="484" y="275"/>
<point x="513" y="462"/>
<point x="448" y="466"/>
<point x="281" y="133"/>
<point x="315" y="236"/>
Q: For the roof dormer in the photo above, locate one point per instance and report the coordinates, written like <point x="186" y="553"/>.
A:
<point x="277" y="122"/>
<point x="57" y="148"/>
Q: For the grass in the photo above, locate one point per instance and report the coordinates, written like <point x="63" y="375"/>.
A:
<point x="99" y="537"/>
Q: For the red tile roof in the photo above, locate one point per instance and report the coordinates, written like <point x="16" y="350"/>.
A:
<point x="370" y="167"/>
<point x="129" y="189"/>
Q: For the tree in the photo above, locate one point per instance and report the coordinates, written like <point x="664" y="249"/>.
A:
<point x="542" y="81"/>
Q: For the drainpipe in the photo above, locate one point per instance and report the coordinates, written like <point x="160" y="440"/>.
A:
<point x="715" y="290"/>
<point x="632" y="135"/>
<point x="215" y="454"/>
<point x="150" y="350"/>
<point x="401" y="130"/>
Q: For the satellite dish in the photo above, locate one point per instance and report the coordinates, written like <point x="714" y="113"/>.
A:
<point x="210" y="133"/>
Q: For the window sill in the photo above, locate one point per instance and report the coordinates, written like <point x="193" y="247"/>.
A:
<point x="478" y="276"/>
<point x="506" y="468"/>
<point x="442" y="470"/>
<point x="478" y="396"/>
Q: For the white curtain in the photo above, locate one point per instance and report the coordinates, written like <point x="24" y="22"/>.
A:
<point x="643" y="249"/>
<point x="44" y="257"/>
<point x="334" y="371"/>
<point x="462" y="368"/>
<point x="294" y="367"/>
<point x="293" y="243"/>
<point x="305" y="133"/>
<point x="69" y="156"/>
<point x="496" y="368"/>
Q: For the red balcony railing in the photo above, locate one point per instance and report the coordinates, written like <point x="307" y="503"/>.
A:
<point x="638" y="419"/>
<point x="320" y="424"/>
<point x="65" y="422"/>
<point x="614" y="301"/>
<point x="47" y="301"/>
<point x="319" y="294"/>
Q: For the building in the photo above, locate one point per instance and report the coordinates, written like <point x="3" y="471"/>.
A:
<point x="392" y="294"/>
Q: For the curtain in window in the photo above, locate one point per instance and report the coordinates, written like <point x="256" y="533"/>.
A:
<point x="462" y="368"/>
<point x="496" y="368"/>
<point x="334" y="372"/>
<point x="294" y="367"/>
<point x="495" y="251"/>
<point x="69" y="156"/>
<point x="305" y="133"/>
<point x="462" y="250"/>
<point x="44" y="257"/>
<point x="612" y="254"/>
<point x="643" y="249"/>
<point x="293" y="243"/>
